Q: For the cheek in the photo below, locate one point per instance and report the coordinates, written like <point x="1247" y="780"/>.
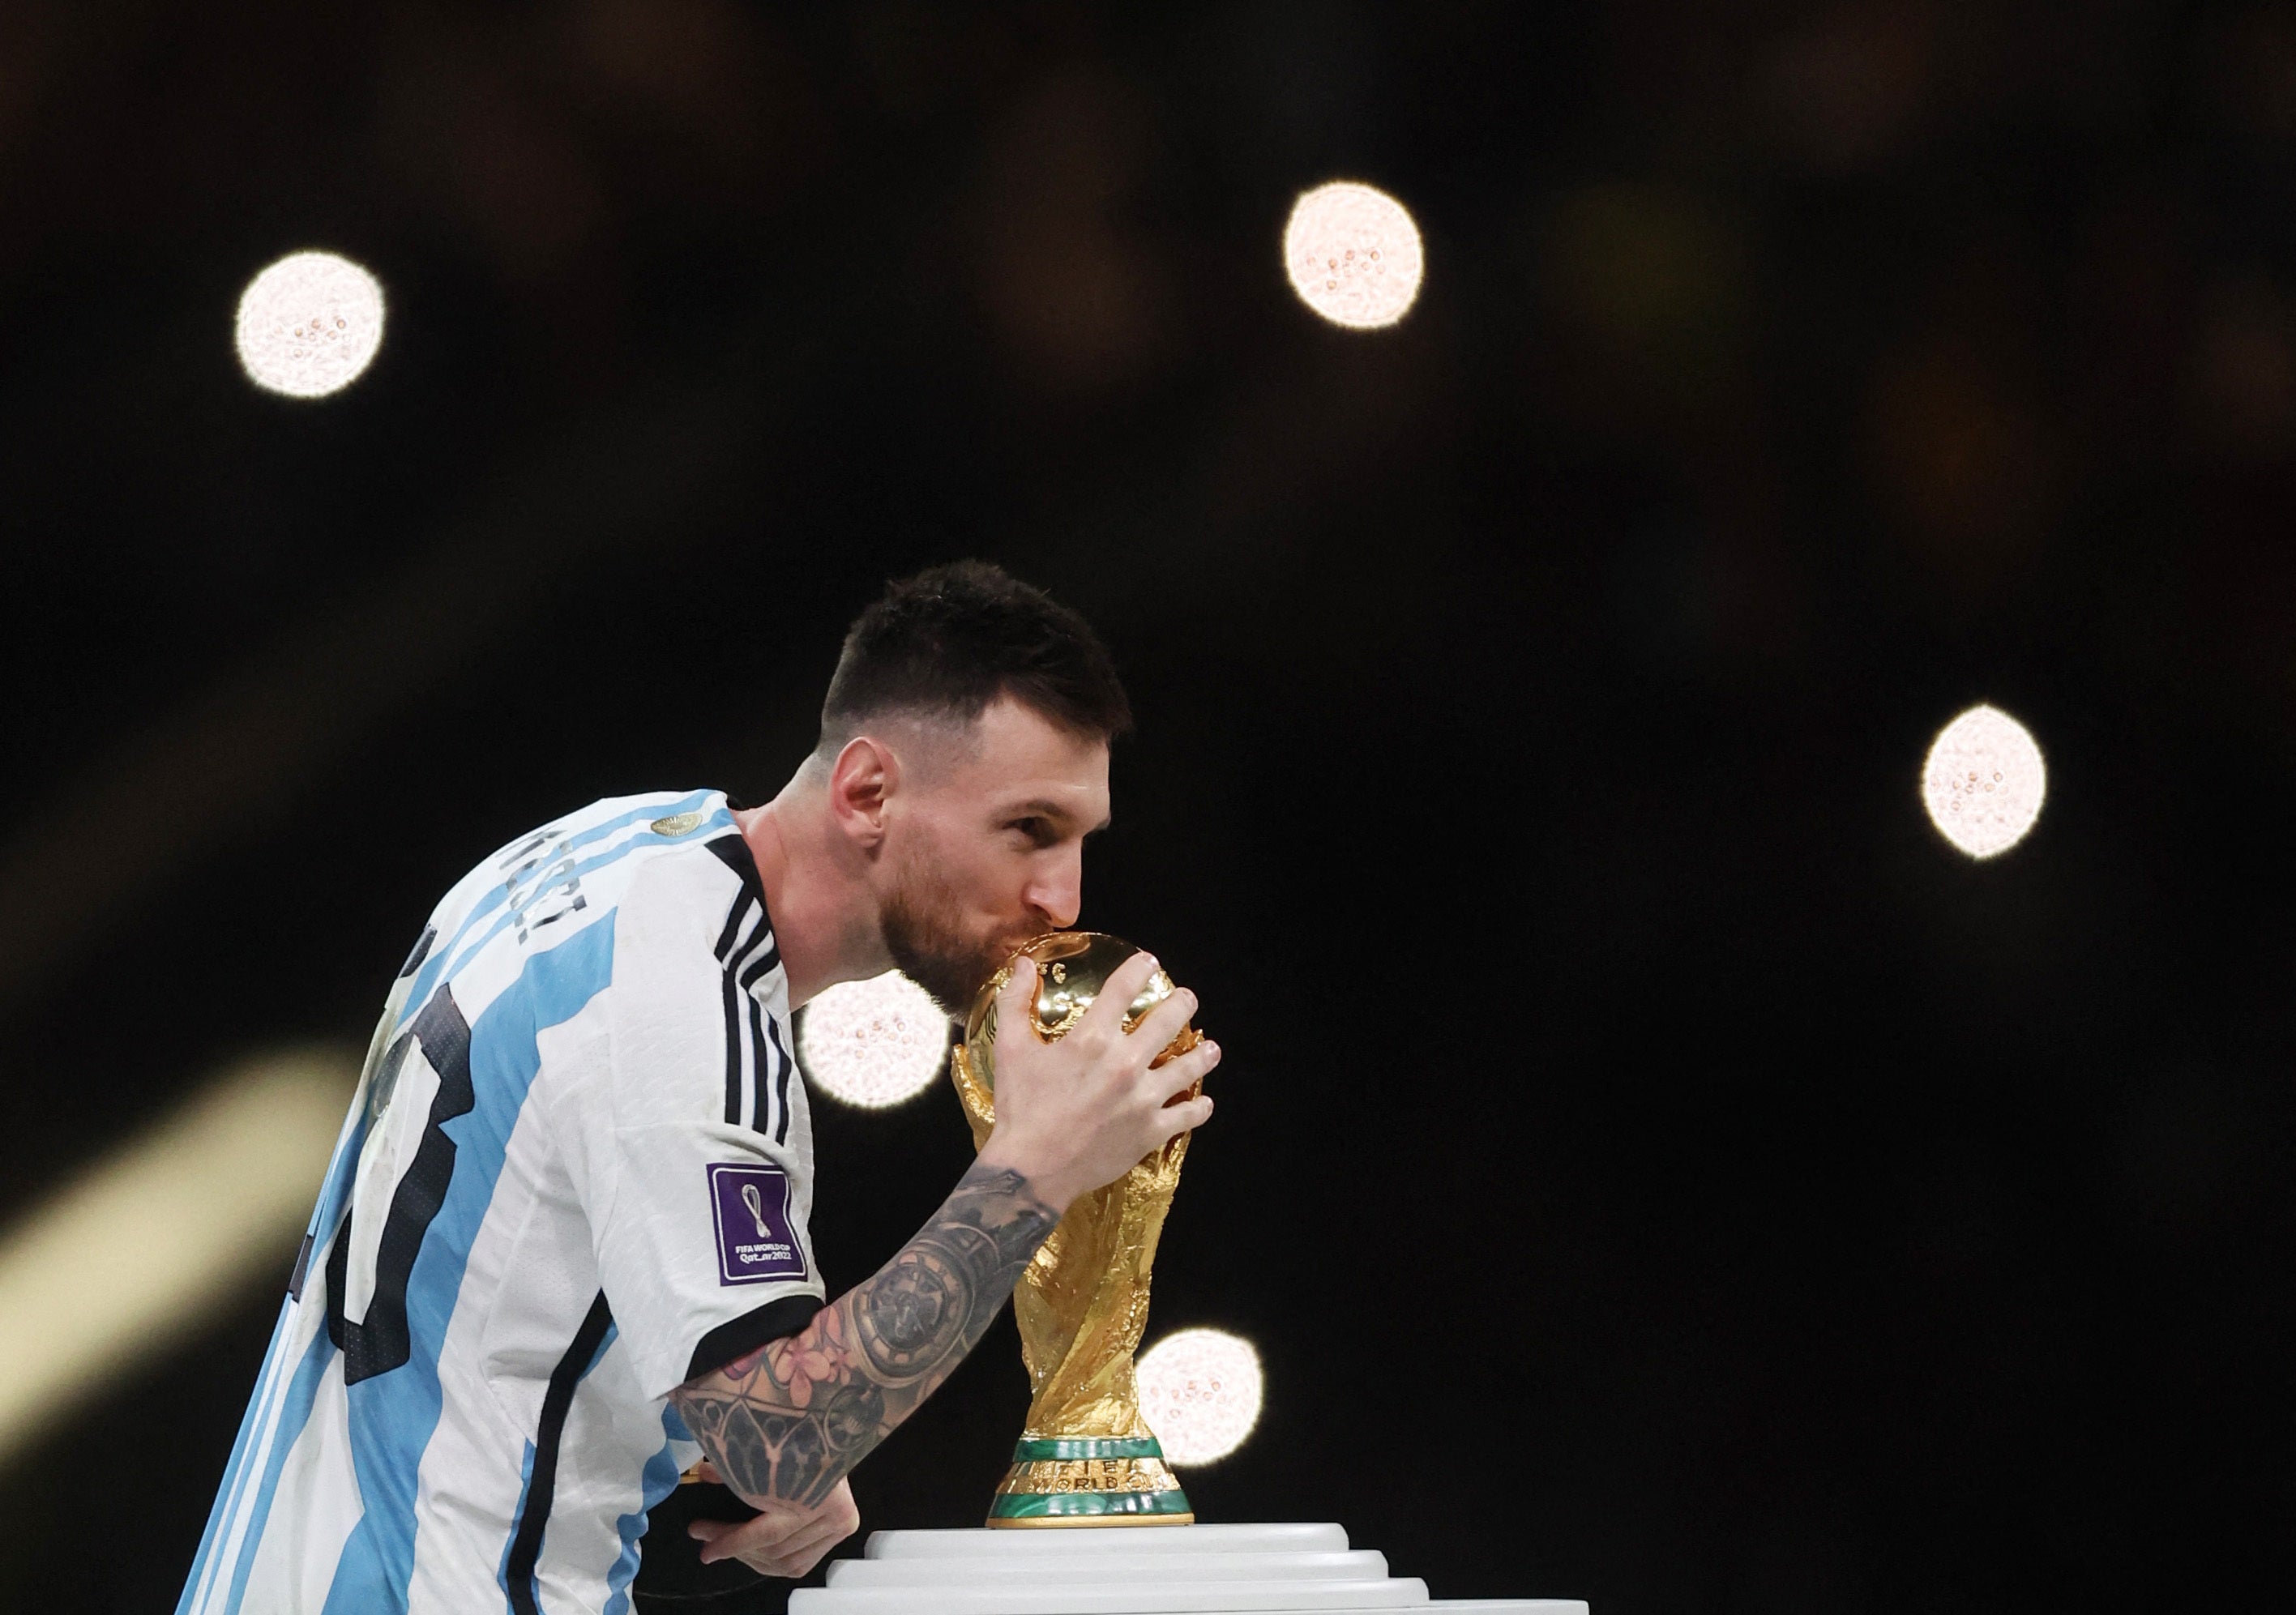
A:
<point x="1009" y="886"/>
<point x="982" y="876"/>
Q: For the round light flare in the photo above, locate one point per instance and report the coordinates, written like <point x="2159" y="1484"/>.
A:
<point x="1984" y="781"/>
<point x="873" y="1043"/>
<point x="1200" y="1392"/>
<point x="1353" y="254"/>
<point x="309" y="325"/>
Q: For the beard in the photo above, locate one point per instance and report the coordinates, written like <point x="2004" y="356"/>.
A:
<point x="925" y="934"/>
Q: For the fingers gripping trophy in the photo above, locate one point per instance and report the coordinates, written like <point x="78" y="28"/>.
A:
<point x="1086" y="1457"/>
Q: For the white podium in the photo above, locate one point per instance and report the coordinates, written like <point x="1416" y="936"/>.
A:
<point x="1201" y="1569"/>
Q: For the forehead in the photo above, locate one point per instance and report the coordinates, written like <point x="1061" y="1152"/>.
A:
<point x="1015" y="757"/>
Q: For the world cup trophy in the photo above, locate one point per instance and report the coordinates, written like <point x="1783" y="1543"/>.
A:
<point x="1085" y="1456"/>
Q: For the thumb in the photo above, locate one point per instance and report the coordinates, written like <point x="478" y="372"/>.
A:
<point x="1013" y="1004"/>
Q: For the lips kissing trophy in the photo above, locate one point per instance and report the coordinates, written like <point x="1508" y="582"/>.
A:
<point x="1085" y="1456"/>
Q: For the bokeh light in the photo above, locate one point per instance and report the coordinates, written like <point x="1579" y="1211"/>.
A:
<point x="214" y="1198"/>
<point x="1200" y="1392"/>
<point x="1983" y="781"/>
<point x="309" y="325"/>
<point x="873" y="1043"/>
<point x="1353" y="254"/>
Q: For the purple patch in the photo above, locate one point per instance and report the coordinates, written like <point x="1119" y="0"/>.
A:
<point x="755" y="1240"/>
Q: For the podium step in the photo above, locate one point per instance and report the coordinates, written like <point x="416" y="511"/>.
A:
<point x="1181" y="1569"/>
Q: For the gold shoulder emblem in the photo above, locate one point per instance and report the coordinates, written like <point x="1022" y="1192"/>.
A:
<point x="678" y="824"/>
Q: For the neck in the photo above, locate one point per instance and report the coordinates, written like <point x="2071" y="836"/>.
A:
<point x="824" y="915"/>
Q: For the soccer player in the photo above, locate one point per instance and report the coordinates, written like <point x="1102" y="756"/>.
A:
<point x="561" y="1254"/>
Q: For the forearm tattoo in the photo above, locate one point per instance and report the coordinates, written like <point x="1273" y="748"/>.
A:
<point x="789" y="1420"/>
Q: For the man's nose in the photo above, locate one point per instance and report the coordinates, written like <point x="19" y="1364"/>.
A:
<point x="1058" y="892"/>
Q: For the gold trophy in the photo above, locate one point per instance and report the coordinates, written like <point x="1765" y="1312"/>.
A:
<point x="1085" y="1456"/>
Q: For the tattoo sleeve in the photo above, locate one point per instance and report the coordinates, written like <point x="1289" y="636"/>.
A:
<point x="789" y="1420"/>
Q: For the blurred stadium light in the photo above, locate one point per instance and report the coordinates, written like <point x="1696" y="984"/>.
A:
<point x="1200" y="1392"/>
<point x="167" y="1230"/>
<point x="1983" y="781"/>
<point x="309" y="325"/>
<point x="873" y="1043"/>
<point x="1354" y="255"/>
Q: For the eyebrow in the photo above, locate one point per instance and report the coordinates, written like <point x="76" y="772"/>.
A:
<point x="1045" y="808"/>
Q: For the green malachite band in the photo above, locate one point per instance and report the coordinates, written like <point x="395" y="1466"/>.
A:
<point x="1083" y="1447"/>
<point x="1042" y="1505"/>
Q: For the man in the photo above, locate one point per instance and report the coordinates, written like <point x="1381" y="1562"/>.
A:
<point x="561" y="1254"/>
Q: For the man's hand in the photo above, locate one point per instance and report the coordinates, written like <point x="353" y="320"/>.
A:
<point x="787" y="1539"/>
<point x="1077" y="1113"/>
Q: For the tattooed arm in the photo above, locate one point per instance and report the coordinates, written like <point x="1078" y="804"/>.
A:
<point x="786" y="1422"/>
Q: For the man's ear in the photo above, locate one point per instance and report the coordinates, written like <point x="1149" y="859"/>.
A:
<point x="861" y="780"/>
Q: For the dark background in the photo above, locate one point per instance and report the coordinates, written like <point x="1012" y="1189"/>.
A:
<point x="1656" y="1167"/>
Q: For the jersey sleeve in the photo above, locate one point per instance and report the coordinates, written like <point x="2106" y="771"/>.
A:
<point x="699" y="1222"/>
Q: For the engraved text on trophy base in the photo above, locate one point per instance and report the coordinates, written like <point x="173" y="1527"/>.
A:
<point x="1090" y="1475"/>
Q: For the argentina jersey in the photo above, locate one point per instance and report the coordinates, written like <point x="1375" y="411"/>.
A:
<point x="577" y="1173"/>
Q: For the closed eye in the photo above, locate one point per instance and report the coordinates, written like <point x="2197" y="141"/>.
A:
<point x="1040" y="832"/>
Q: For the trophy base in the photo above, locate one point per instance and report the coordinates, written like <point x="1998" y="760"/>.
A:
<point x="1074" y="1481"/>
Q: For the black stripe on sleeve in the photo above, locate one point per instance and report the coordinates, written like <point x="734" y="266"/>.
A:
<point x="757" y="1061"/>
<point x="735" y="1110"/>
<point x="762" y="935"/>
<point x="781" y="1084"/>
<point x="733" y="852"/>
<point x="763" y="963"/>
<point x="741" y="970"/>
<point x="733" y="1048"/>
<point x="734" y="918"/>
<point x="776" y="1319"/>
<point x="542" y="1483"/>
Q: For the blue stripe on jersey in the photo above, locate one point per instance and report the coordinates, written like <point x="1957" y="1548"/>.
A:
<point x="659" y="1480"/>
<point x="234" y="1474"/>
<point x="394" y="1416"/>
<point x="500" y="892"/>
<point x="294" y="1414"/>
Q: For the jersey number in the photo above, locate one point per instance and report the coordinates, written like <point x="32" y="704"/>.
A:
<point x="380" y="1343"/>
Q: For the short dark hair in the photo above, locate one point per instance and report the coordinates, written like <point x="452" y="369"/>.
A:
<point x="949" y="641"/>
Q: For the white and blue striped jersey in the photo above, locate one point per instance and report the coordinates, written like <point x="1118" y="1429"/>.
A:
<point x="578" y="1172"/>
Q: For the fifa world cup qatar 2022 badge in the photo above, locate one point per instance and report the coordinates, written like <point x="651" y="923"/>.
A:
<point x="1085" y="1456"/>
<point x="755" y="1240"/>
